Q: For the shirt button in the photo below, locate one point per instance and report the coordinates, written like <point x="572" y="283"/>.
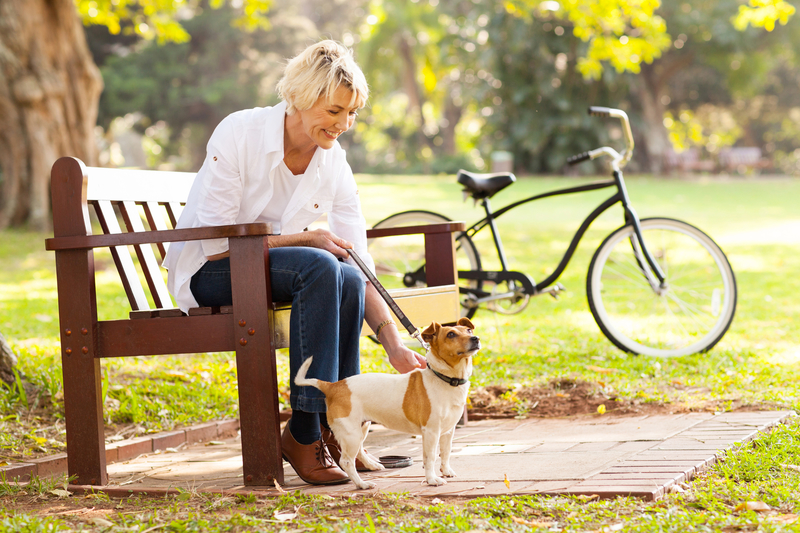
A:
<point x="316" y="206"/>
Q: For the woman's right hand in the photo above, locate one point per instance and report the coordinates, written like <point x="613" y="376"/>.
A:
<point x="325" y="240"/>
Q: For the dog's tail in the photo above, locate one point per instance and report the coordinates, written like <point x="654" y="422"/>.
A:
<point x="302" y="381"/>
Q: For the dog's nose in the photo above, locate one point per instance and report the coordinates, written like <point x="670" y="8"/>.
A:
<point x="474" y="338"/>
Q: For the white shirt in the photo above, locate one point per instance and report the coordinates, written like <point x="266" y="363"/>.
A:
<point x="236" y="183"/>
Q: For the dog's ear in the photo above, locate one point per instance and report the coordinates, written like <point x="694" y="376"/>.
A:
<point x="431" y="331"/>
<point x="464" y="321"/>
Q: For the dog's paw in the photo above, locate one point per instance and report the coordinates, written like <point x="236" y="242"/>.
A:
<point x="372" y="465"/>
<point x="366" y="485"/>
<point x="448" y="472"/>
<point x="434" y="481"/>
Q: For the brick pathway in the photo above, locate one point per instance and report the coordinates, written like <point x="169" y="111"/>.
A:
<point x="609" y="456"/>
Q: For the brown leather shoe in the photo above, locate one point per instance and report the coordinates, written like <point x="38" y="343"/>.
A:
<point x="312" y="462"/>
<point x="336" y="451"/>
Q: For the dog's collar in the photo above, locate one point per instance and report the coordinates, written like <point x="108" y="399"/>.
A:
<point x="453" y="382"/>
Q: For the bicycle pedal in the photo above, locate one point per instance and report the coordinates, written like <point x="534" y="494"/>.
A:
<point x="555" y="290"/>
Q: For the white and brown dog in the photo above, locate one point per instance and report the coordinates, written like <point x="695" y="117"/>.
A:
<point x="425" y="402"/>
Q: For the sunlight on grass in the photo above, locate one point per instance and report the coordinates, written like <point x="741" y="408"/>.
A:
<point x="549" y="340"/>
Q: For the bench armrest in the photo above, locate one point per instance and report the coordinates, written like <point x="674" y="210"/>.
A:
<point x="426" y="229"/>
<point x="80" y="242"/>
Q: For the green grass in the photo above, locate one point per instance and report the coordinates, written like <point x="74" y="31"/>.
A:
<point x="755" y="364"/>
<point x="763" y="473"/>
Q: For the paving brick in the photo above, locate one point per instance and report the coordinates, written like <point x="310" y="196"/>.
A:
<point x="131" y="448"/>
<point x="168" y="439"/>
<point x="19" y="472"/>
<point x="51" y="465"/>
<point x="631" y="476"/>
<point x="594" y="446"/>
<point x="650" y="469"/>
<point x="201" y="433"/>
<point x="227" y="429"/>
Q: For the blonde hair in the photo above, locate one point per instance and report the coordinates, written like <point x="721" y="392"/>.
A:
<point x="318" y="71"/>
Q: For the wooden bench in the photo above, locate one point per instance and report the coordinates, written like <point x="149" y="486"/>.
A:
<point x="688" y="160"/>
<point x="149" y="204"/>
<point x="742" y="159"/>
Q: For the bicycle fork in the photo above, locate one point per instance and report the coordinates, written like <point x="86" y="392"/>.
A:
<point x="650" y="268"/>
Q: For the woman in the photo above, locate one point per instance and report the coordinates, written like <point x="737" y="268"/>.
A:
<point x="283" y="165"/>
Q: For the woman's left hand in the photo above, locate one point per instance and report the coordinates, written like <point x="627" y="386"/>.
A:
<point x="405" y="360"/>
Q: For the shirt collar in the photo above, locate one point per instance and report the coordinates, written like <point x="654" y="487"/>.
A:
<point x="276" y="116"/>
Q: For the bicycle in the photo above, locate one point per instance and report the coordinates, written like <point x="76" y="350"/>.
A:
<point x="655" y="286"/>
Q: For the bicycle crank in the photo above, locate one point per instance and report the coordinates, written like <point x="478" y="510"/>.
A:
<point x="553" y="291"/>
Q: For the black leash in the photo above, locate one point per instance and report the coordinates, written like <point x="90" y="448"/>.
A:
<point x="412" y="330"/>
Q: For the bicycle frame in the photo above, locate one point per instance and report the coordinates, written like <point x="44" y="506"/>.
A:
<point x="620" y="196"/>
<point x="650" y="269"/>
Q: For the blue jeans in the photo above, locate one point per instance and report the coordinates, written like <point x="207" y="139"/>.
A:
<point x="327" y="312"/>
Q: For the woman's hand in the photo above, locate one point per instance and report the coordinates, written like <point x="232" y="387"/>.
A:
<point x="318" y="238"/>
<point x="405" y="360"/>
<point x="325" y="240"/>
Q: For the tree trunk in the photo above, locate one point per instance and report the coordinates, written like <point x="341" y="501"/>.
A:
<point x="655" y="137"/>
<point x="8" y="359"/>
<point x="49" y="93"/>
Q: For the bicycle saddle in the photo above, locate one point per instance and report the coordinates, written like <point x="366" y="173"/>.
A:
<point x="485" y="185"/>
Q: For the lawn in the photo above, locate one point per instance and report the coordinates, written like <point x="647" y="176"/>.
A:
<point x="549" y="344"/>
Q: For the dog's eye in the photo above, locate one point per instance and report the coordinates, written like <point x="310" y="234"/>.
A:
<point x="451" y="334"/>
<point x="469" y="332"/>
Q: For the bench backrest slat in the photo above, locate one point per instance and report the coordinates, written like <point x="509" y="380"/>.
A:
<point x="141" y="196"/>
<point x="147" y="259"/>
<point x="174" y="210"/>
<point x="120" y="185"/>
<point x="156" y="222"/>
<point x="122" y="256"/>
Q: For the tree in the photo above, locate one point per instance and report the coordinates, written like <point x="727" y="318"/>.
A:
<point x="182" y="90"/>
<point x="8" y="359"/>
<point x="50" y="86"/>
<point x="49" y="89"/>
<point x="713" y="57"/>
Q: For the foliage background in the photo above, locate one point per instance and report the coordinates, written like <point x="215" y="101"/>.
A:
<point x="454" y="82"/>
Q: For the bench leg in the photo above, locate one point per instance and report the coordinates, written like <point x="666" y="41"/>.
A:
<point x="255" y="362"/>
<point x="81" y="368"/>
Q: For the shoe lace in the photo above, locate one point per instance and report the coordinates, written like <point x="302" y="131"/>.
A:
<point x="323" y="455"/>
<point x="329" y="441"/>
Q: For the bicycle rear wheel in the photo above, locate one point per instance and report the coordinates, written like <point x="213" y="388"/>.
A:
<point x="399" y="260"/>
<point x="691" y="315"/>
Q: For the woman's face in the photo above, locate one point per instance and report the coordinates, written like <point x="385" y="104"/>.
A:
<point x="325" y="121"/>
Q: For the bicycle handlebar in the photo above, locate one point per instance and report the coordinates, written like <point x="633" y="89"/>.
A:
<point x="618" y="160"/>
<point x="597" y="111"/>
<point x="580" y="158"/>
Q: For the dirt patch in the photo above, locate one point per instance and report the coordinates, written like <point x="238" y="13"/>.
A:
<point x="567" y="397"/>
<point x="564" y="397"/>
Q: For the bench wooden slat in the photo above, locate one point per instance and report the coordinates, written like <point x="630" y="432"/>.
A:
<point x="156" y="313"/>
<point x="174" y="210"/>
<point x="130" y="185"/>
<point x="122" y="257"/>
<point x="147" y="259"/>
<point x="75" y="242"/>
<point x="199" y="311"/>
<point x="151" y="211"/>
<point x="165" y="336"/>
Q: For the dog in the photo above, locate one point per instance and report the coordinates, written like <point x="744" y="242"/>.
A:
<point x="427" y="402"/>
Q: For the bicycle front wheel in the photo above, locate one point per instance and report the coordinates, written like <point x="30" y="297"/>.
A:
<point x="400" y="261"/>
<point x="693" y="311"/>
